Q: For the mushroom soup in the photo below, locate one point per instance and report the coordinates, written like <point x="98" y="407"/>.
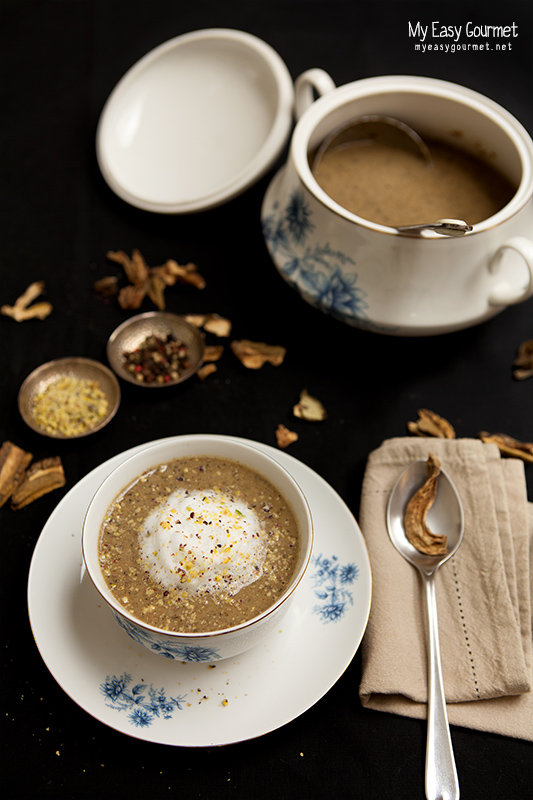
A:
<point x="199" y="544"/>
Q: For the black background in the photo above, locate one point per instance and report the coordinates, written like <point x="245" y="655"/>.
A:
<point x="59" y="61"/>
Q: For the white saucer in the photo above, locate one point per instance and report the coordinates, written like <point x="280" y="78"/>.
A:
<point x="194" y="704"/>
<point x="195" y="121"/>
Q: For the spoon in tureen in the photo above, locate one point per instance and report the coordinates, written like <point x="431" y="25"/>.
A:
<point x="444" y="227"/>
<point x="394" y="133"/>
<point x="444" y="517"/>
<point x="372" y="128"/>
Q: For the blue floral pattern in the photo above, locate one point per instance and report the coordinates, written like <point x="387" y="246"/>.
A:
<point x="331" y="581"/>
<point x="175" y="652"/>
<point x="316" y="270"/>
<point x="144" y="703"/>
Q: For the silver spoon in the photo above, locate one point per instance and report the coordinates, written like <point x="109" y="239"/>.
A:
<point x="370" y="128"/>
<point x="445" y="227"/>
<point x="444" y="517"/>
<point x="394" y="133"/>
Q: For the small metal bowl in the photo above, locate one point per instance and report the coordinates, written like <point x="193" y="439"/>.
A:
<point x="72" y="367"/>
<point x="132" y="333"/>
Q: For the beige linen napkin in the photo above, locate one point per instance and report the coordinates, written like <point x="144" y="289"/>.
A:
<point x="483" y="594"/>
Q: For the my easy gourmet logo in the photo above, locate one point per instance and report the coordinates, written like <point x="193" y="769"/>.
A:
<point x="436" y="35"/>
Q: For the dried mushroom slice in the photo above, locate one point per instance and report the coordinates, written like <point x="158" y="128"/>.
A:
<point x="206" y="370"/>
<point x="135" y="267"/>
<point x="131" y="297"/>
<point x="22" y="310"/>
<point x="523" y="362"/>
<point x="156" y="290"/>
<point x="196" y="319"/>
<point x="172" y="272"/>
<point x="42" y="477"/>
<point x="213" y="352"/>
<point x="107" y="286"/>
<point x="212" y="323"/>
<point x="13" y="463"/>
<point x="309" y="408"/>
<point x="218" y="325"/>
<point x="416" y="528"/>
<point x="509" y="446"/>
<point x="430" y="424"/>
<point x="254" y="354"/>
<point x="284" y="436"/>
<point x="151" y="281"/>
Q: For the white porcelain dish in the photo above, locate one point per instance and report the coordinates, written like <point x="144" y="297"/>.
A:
<point x="195" y="121"/>
<point x="369" y="275"/>
<point x="197" y="704"/>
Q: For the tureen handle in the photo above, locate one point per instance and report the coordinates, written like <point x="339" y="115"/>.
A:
<point x="309" y="82"/>
<point x="505" y="293"/>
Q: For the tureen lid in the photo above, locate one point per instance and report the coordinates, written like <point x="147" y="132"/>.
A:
<point x="195" y="121"/>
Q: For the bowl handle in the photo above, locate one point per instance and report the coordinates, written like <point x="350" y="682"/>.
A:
<point x="504" y="293"/>
<point x="310" y="81"/>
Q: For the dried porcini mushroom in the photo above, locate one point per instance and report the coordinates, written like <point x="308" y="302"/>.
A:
<point x="212" y="323"/>
<point x="171" y="272"/>
<point x="430" y="424"/>
<point x="206" y="370"/>
<point x="136" y="268"/>
<point x="309" y="408"/>
<point x="131" y="297"/>
<point x="106" y="287"/>
<point x="42" y="477"/>
<point x="213" y="352"/>
<point x="254" y="354"/>
<point x="156" y="291"/>
<point x="13" y="463"/>
<point x="416" y="527"/>
<point x="524" y="361"/>
<point x="509" y="446"/>
<point x="151" y="281"/>
<point x="22" y="309"/>
<point x="23" y="483"/>
<point x="196" y="319"/>
<point x="284" y="436"/>
<point x="218" y="325"/>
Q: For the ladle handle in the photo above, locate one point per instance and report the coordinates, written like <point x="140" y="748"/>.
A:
<point x="441" y="772"/>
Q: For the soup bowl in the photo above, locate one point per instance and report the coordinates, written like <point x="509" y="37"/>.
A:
<point x="210" y="645"/>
